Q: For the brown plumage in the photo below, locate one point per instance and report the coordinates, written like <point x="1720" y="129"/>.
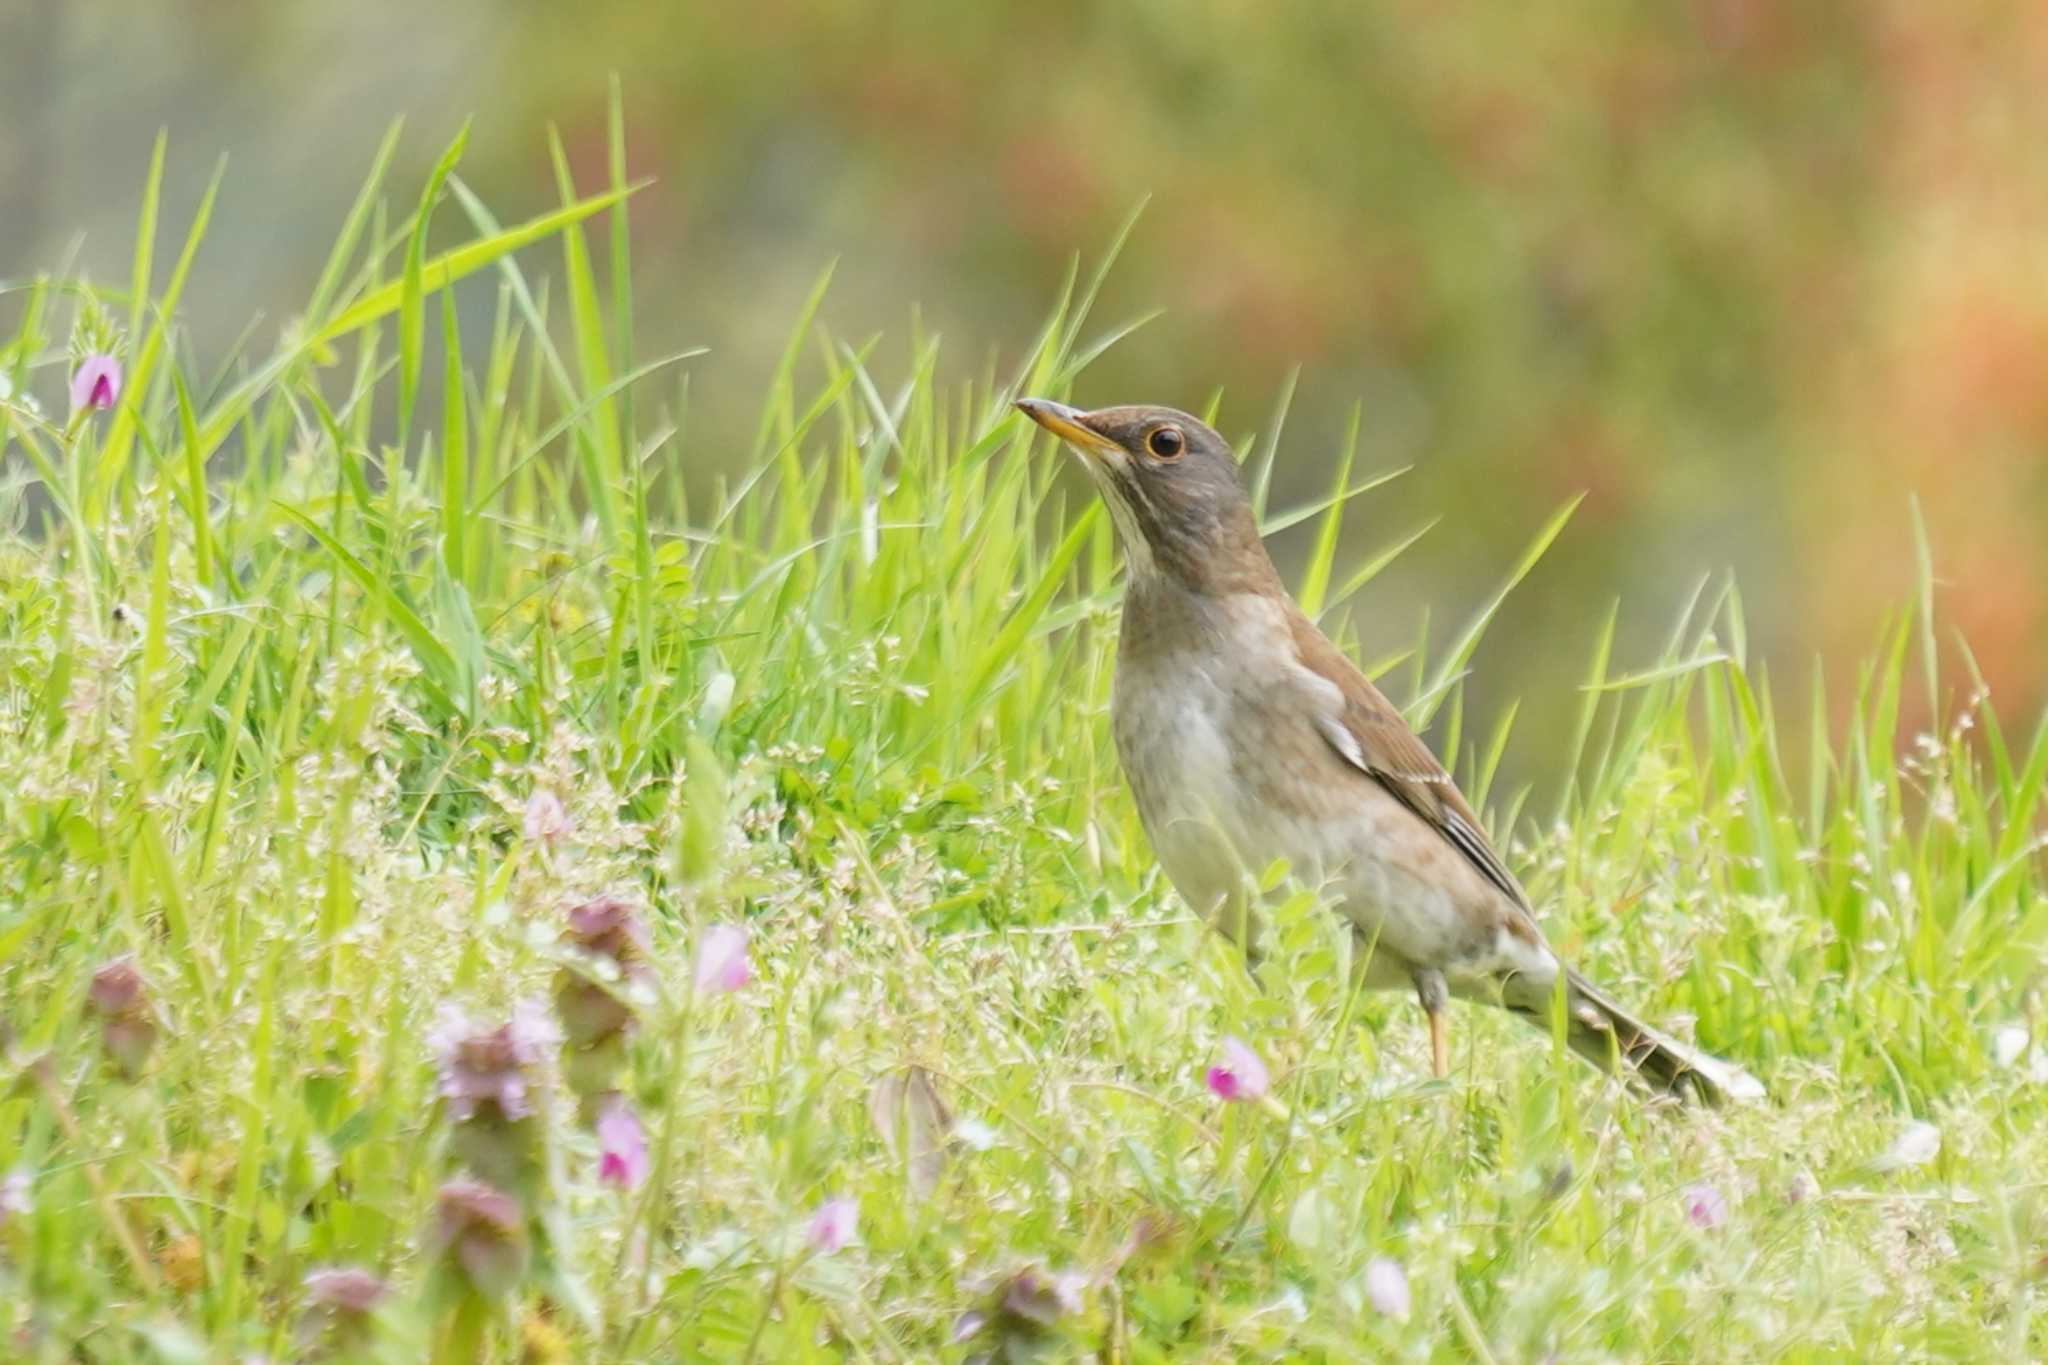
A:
<point x="1247" y="736"/>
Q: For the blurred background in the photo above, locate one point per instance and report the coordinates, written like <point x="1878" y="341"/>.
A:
<point x="1749" y="274"/>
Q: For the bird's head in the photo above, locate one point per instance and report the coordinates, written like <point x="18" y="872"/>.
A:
<point x="1173" y="489"/>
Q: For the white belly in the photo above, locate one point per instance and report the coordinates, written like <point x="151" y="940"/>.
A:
<point x="1176" y="755"/>
<point x="1185" y="752"/>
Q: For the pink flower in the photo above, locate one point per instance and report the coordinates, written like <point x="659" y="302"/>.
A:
<point x="622" y="1145"/>
<point x="832" y="1226"/>
<point x="722" y="965"/>
<point x="346" y="1289"/>
<point x="1386" y="1288"/>
<point x="1705" y="1206"/>
<point x="96" y="383"/>
<point x="491" y="1066"/>
<point x="1241" y="1075"/>
<point x="547" y="819"/>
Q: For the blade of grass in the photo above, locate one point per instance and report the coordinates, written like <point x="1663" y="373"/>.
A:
<point x="412" y="288"/>
<point x="352" y="226"/>
<point x="121" y="435"/>
<point x="1315" y="583"/>
<point x="1453" y="664"/>
<point x="450" y="266"/>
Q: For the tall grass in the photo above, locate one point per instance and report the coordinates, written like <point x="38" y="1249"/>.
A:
<point x="288" y="643"/>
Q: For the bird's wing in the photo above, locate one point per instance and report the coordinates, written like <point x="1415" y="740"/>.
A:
<point x="1369" y="734"/>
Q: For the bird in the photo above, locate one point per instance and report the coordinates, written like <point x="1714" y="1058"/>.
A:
<point x="1246" y="736"/>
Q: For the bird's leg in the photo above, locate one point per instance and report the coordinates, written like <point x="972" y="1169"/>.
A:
<point x="1435" y="996"/>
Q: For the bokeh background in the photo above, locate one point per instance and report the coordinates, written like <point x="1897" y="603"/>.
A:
<point x="1752" y="275"/>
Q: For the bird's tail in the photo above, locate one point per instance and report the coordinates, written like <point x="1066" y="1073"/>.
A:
<point x="1602" y="1032"/>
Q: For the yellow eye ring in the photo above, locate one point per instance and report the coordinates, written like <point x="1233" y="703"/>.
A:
<point x="1166" y="443"/>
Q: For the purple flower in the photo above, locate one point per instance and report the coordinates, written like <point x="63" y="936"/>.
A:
<point x="346" y="1290"/>
<point x="339" y="1304"/>
<point x="832" y="1226"/>
<point x="1386" y="1288"/>
<point x="491" y="1066"/>
<point x="96" y="383"/>
<point x="118" y="988"/>
<point x="722" y="965"/>
<point x="622" y="1145"/>
<point x="607" y="926"/>
<point x="481" y="1230"/>
<point x="1705" y="1206"/>
<point x="119" y="994"/>
<point x="1241" y="1075"/>
<point x="603" y="933"/>
<point x="547" y="819"/>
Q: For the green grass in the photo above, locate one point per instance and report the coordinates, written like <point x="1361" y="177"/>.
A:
<point x="287" y="644"/>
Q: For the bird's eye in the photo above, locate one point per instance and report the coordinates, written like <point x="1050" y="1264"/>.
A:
<point x="1167" y="443"/>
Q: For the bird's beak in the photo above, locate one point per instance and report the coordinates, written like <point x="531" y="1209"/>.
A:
<point x="1071" y="426"/>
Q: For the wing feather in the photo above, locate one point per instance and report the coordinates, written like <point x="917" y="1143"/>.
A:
<point x="1368" y="733"/>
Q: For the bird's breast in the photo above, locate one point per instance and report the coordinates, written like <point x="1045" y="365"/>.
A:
<point x="1174" y="740"/>
<point x="1217" y="737"/>
<point x="1204" y="730"/>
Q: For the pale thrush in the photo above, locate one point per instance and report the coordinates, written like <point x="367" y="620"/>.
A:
<point x="1247" y="737"/>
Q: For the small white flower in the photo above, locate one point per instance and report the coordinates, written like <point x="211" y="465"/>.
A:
<point x="974" y="1135"/>
<point x="1917" y="1144"/>
<point x="833" y="1226"/>
<point x="722" y="964"/>
<point x="547" y="820"/>
<point x="1386" y="1288"/>
<point x="717" y="700"/>
<point x="16" y="1195"/>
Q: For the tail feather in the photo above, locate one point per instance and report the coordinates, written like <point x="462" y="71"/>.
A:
<point x="1601" y="1031"/>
